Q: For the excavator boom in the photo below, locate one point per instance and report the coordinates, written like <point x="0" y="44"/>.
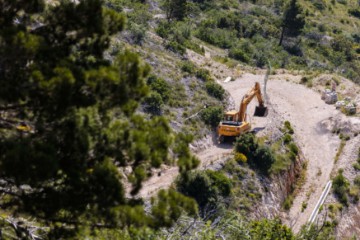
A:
<point x="260" y="110"/>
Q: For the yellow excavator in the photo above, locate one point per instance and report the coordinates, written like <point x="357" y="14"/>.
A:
<point x="235" y="123"/>
<point x="21" y="126"/>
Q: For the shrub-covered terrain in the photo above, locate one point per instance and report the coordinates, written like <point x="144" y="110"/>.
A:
<point x="111" y="97"/>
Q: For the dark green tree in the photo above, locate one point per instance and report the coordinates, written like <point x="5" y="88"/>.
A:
<point x="264" y="159"/>
<point x="247" y="145"/>
<point x="293" y="21"/>
<point x="82" y="108"/>
<point x="205" y="187"/>
<point x="175" y="9"/>
<point x="212" y="115"/>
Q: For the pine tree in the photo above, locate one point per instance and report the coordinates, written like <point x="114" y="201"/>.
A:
<point x="293" y="21"/>
<point x="175" y="9"/>
<point x="86" y="132"/>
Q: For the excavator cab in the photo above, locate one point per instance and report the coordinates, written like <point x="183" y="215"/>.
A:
<point x="231" y="116"/>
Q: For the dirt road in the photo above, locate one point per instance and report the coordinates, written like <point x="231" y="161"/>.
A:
<point x="214" y="154"/>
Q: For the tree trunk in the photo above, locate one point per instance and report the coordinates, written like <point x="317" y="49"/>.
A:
<point x="282" y="36"/>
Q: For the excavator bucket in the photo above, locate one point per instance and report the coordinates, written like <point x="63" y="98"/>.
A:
<point x="261" y="111"/>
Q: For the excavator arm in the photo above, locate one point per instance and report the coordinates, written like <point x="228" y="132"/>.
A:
<point x="260" y="110"/>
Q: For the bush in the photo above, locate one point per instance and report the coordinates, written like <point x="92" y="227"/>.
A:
<point x="293" y="148"/>
<point x="288" y="127"/>
<point x="288" y="202"/>
<point x="357" y="181"/>
<point x="341" y="188"/>
<point x="197" y="185"/>
<point x="212" y="115"/>
<point x="188" y="67"/>
<point x="239" y="54"/>
<point x="287" y="138"/>
<point x="204" y="186"/>
<point x="246" y="145"/>
<point x="355" y="12"/>
<point x="264" y="159"/>
<point x="240" y="158"/>
<point x="160" y="86"/>
<point x="163" y="29"/>
<point x="175" y="47"/>
<point x="223" y="38"/>
<point x="215" y="90"/>
<point x="221" y="182"/>
<point x="203" y="74"/>
<point x="292" y="156"/>
<point x="319" y="4"/>
<point x="138" y="33"/>
<point x="154" y="103"/>
<point x="269" y="229"/>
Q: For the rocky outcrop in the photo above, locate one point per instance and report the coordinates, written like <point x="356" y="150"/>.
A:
<point x="277" y="188"/>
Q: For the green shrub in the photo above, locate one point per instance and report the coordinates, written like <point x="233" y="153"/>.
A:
<point x="258" y="156"/>
<point x="215" y="90"/>
<point x="246" y="145"/>
<point x="220" y="181"/>
<point x="341" y="188"/>
<point x="288" y="202"/>
<point x="287" y="138"/>
<point x="288" y="127"/>
<point x="319" y="4"/>
<point x="303" y="206"/>
<point x="160" y="86"/>
<point x="195" y="47"/>
<point x="264" y="159"/>
<point x="356" y="166"/>
<point x="197" y="185"/>
<point x="175" y="47"/>
<point x="269" y="229"/>
<point x="355" y="12"/>
<point x="212" y="115"/>
<point x="153" y="103"/>
<point x="188" y="67"/>
<point x="293" y="148"/>
<point x="357" y="181"/>
<point x="240" y="158"/>
<point x="292" y="156"/>
<point x="138" y="33"/>
<point x="163" y="29"/>
<point x="304" y="80"/>
<point x="203" y="74"/>
<point x="239" y="54"/>
<point x="223" y="38"/>
<point x="204" y="186"/>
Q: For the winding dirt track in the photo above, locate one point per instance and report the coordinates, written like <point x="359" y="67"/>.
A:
<point x="287" y="101"/>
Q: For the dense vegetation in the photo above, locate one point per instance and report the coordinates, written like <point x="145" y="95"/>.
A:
<point x="83" y="110"/>
<point x="293" y="34"/>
